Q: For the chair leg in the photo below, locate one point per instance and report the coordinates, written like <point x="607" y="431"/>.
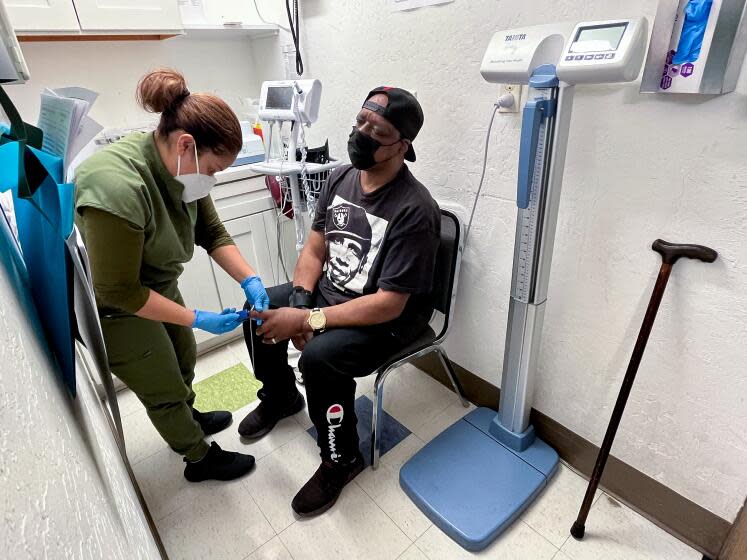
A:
<point x="446" y="363"/>
<point x="377" y="417"/>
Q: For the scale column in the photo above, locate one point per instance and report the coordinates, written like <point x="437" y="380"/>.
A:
<point x="528" y="295"/>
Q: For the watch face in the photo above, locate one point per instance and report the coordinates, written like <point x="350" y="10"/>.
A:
<point x="317" y="320"/>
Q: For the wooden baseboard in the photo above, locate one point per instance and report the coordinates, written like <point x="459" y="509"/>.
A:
<point x="735" y="547"/>
<point x="686" y="520"/>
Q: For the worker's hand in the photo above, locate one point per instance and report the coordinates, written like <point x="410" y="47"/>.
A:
<point x="281" y="324"/>
<point x="217" y="323"/>
<point x="300" y="340"/>
<point x="256" y="295"/>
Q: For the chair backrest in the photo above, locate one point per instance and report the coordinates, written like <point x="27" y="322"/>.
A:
<point x="448" y="261"/>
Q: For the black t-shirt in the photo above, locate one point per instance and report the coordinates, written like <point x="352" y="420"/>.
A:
<point x="385" y="239"/>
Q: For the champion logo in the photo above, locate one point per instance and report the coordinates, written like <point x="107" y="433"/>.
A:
<point x="341" y="216"/>
<point x="335" y="414"/>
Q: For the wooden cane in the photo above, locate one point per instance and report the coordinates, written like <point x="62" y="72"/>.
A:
<point x="670" y="254"/>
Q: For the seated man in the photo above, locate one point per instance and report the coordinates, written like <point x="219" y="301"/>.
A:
<point x="377" y="230"/>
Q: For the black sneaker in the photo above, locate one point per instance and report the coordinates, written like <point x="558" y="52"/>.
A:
<point x="322" y="490"/>
<point x="218" y="465"/>
<point x="263" y="418"/>
<point x="212" y="422"/>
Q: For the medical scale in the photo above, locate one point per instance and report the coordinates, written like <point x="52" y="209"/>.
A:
<point x="475" y="478"/>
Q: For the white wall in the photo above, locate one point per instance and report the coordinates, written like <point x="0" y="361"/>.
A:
<point x="638" y="167"/>
<point x="223" y="67"/>
<point x="65" y="492"/>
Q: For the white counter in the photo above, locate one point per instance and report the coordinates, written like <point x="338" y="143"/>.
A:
<point x="235" y="174"/>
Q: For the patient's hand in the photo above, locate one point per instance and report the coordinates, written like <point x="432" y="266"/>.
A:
<point x="281" y="324"/>
<point x="300" y="340"/>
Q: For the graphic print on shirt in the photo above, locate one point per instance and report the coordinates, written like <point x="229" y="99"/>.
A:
<point x="353" y="239"/>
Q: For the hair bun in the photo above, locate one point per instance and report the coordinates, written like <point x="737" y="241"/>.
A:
<point x="161" y="89"/>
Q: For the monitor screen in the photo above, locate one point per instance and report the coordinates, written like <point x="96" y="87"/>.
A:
<point x="279" y="97"/>
<point x="599" y="38"/>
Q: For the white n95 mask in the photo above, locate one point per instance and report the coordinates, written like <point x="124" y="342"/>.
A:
<point x="196" y="185"/>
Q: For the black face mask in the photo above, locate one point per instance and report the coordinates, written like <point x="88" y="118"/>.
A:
<point x="361" y="149"/>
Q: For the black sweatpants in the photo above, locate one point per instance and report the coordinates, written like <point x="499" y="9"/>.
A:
<point x="330" y="362"/>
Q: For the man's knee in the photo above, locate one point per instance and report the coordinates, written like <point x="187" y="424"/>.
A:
<point x="316" y="359"/>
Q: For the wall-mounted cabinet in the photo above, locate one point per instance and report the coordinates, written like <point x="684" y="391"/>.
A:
<point x="56" y="16"/>
<point x="94" y="17"/>
<point x="43" y="20"/>
<point x="128" y="15"/>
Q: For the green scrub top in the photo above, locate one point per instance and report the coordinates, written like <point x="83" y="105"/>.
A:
<point x="138" y="231"/>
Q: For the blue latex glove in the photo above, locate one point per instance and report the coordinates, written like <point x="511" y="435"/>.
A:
<point x="255" y="293"/>
<point x="217" y="323"/>
<point x="693" y="31"/>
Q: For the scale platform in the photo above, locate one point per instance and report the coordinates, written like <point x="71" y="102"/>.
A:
<point x="472" y="486"/>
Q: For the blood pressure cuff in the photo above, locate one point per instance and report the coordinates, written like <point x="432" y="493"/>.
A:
<point x="301" y="299"/>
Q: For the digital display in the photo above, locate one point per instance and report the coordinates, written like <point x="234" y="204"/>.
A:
<point x="279" y="97"/>
<point x="599" y="38"/>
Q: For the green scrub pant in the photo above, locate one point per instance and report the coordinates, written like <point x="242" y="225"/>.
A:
<point x="156" y="361"/>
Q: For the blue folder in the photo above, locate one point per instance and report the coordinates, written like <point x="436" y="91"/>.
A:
<point x="44" y="214"/>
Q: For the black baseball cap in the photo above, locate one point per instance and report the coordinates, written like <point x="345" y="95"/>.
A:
<point x="403" y="111"/>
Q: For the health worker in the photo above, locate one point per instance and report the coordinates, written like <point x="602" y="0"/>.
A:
<point x="142" y="205"/>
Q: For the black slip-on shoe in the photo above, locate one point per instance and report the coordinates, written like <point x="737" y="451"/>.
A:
<point x="218" y="465"/>
<point x="212" y="422"/>
<point x="263" y="418"/>
<point x="322" y="490"/>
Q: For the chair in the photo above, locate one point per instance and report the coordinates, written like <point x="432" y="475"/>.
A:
<point x="448" y="262"/>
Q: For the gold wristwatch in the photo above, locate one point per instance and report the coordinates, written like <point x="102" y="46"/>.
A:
<point x="317" y="320"/>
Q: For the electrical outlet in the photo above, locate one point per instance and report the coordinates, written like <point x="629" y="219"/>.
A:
<point x="515" y="90"/>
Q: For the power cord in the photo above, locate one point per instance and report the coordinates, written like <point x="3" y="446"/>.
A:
<point x="295" y="31"/>
<point x="506" y="100"/>
<point x="310" y="202"/>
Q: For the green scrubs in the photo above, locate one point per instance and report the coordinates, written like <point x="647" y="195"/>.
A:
<point x="139" y="233"/>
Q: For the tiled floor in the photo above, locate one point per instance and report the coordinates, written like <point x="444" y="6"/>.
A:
<point x="251" y="519"/>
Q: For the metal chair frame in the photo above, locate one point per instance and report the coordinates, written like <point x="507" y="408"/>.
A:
<point x="385" y="369"/>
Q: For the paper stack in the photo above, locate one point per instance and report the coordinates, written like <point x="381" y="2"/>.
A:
<point x="65" y="122"/>
<point x="6" y="210"/>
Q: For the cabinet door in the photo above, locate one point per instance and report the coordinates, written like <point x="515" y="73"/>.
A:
<point x="128" y="15"/>
<point x="251" y="239"/>
<point x="197" y="285"/>
<point x="42" y="15"/>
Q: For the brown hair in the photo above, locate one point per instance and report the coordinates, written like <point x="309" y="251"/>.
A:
<point x="205" y="116"/>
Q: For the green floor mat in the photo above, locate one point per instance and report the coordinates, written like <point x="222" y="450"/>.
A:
<point x="231" y="389"/>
